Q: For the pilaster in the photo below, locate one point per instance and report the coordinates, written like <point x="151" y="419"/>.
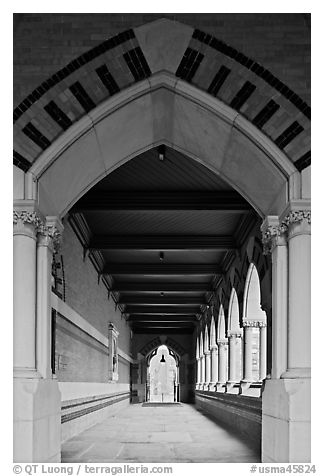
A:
<point x="222" y="365"/>
<point x="37" y="399"/>
<point x="234" y="338"/>
<point x="286" y="398"/>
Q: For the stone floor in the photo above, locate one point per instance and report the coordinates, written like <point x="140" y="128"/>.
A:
<point x="157" y="434"/>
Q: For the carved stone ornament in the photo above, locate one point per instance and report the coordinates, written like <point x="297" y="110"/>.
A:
<point x="52" y="233"/>
<point x="30" y="218"/>
<point x="272" y="232"/>
<point x="254" y="324"/>
<point x="222" y="343"/>
<point x="237" y="334"/>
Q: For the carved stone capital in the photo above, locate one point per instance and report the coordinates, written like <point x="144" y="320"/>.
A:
<point x="273" y="230"/>
<point x="49" y="235"/>
<point x="234" y="334"/>
<point x="222" y="343"/>
<point x="27" y="217"/>
<point x="296" y="216"/>
<point x="254" y="323"/>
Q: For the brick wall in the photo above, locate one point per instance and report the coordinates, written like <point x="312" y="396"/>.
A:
<point x="44" y="43"/>
<point x="79" y="357"/>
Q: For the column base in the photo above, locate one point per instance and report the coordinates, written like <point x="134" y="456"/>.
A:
<point x="297" y="373"/>
<point x="212" y="387"/>
<point x="233" y="387"/>
<point x="37" y="420"/>
<point x="286" y="417"/>
<point x="250" y="389"/>
<point x="206" y="387"/>
<point x="221" y="387"/>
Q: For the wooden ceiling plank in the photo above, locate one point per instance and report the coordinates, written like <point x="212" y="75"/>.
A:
<point x="220" y="201"/>
<point x="161" y="269"/>
<point x="124" y="287"/>
<point x="163" y="300"/>
<point x="162" y="242"/>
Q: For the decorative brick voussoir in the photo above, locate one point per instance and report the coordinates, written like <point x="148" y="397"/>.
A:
<point x="118" y="62"/>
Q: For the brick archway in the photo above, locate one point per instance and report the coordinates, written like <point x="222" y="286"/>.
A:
<point x="136" y="55"/>
<point x="82" y="109"/>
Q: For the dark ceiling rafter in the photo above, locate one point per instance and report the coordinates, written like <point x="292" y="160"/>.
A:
<point x="161" y="269"/>
<point x="162" y="310"/>
<point x="163" y="300"/>
<point x="129" y="287"/>
<point x="219" y="201"/>
<point x="160" y="318"/>
<point x="162" y="242"/>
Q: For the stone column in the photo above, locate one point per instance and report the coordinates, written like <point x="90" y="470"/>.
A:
<point x="37" y="400"/>
<point x="275" y="242"/>
<point x="299" y="292"/>
<point x="197" y="365"/>
<point x="203" y="372"/>
<point x="48" y="241"/>
<point x="286" y="400"/>
<point x="234" y="343"/>
<point x="207" y="369"/>
<point x="248" y="342"/>
<point x="26" y="222"/>
<point x="202" y="362"/>
<point x="263" y="351"/>
<point x="214" y="367"/>
<point x="222" y="371"/>
<point x="213" y="356"/>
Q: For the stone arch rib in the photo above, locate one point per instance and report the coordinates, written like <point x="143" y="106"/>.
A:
<point x="207" y="63"/>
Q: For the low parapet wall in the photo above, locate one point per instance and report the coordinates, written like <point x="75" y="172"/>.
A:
<point x="85" y="404"/>
<point x="241" y="413"/>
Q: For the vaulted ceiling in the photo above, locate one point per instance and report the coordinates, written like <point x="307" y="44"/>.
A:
<point x="161" y="230"/>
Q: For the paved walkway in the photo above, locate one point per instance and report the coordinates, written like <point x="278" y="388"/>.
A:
<point x="157" y="434"/>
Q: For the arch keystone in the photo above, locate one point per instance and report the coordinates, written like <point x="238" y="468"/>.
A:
<point x="163" y="43"/>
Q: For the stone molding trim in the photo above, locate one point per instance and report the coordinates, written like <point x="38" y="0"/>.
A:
<point x="254" y="324"/>
<point x="79" y="407"/>
<point x="72" y="316"/>
<point x="271" y="232"/>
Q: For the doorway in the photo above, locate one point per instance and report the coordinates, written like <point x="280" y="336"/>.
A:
<point x="162" y="376"/>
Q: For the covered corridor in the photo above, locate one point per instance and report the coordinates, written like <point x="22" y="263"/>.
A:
<point x="161" y="198"/>
<point x="158" y="434"/>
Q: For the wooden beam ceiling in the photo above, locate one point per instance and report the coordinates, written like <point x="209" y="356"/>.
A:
<point x="162" y="242"/>
<point x="162" y="310"/>
<point x="124" y="287"/>
<point x="220" y="201"/>
<point x="161" y="269"/>
<point x="162" y="300"/>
